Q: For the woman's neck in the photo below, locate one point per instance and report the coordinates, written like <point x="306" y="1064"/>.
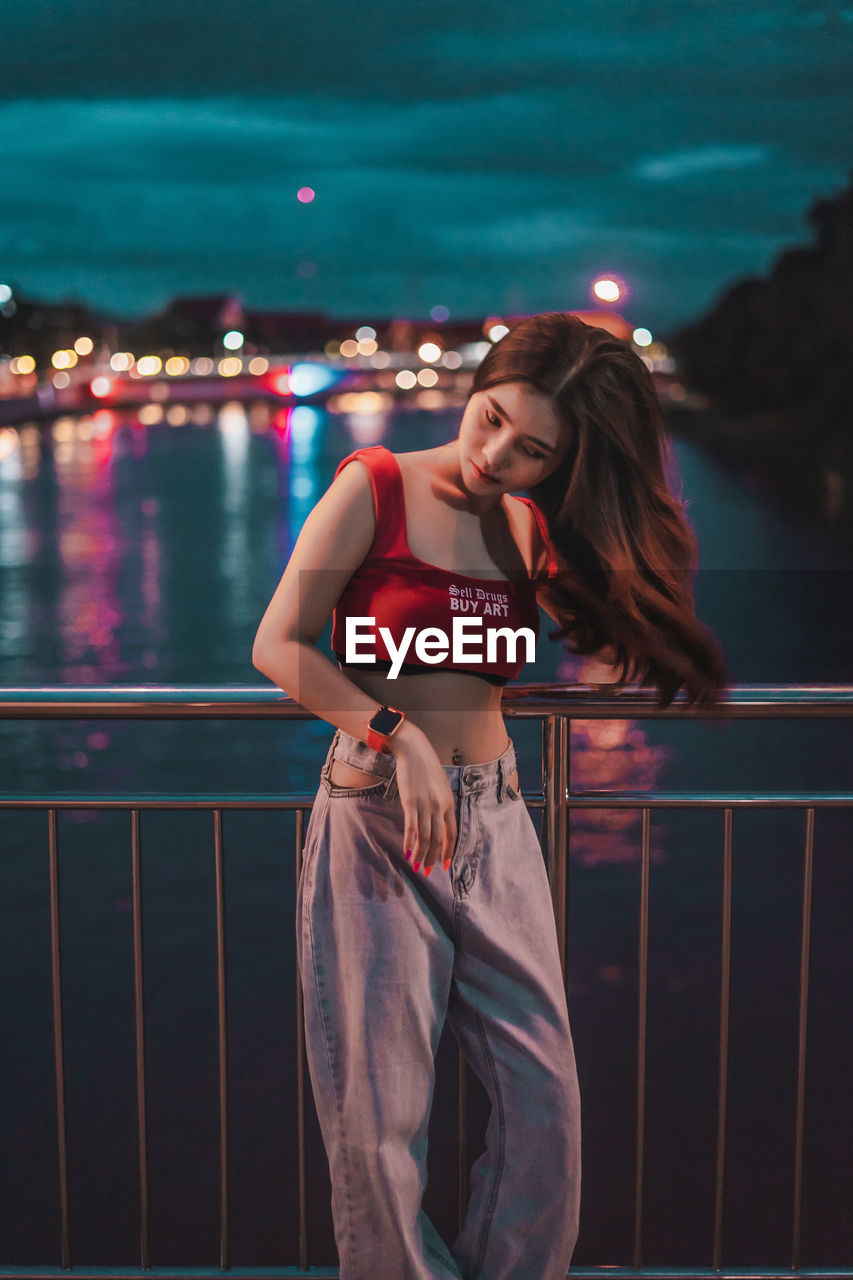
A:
<point x="449" y="468"/>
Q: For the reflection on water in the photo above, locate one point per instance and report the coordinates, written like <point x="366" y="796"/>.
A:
<point x="233" y="426"/>
<point x="611" y="755"/>
<point x="304" y="426"/>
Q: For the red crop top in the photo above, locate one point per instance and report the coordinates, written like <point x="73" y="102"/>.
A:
<point x="418" y="602"/>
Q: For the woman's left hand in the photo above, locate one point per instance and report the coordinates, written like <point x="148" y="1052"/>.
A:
<point x="429" y="806"/>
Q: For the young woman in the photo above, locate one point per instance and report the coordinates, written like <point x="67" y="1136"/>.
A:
<point x="423" y="893"/>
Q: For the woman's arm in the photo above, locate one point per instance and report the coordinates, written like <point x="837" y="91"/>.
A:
<point x="333" y="542"/>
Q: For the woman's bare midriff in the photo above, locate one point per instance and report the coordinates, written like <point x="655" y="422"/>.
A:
<point x="459" y="713"/>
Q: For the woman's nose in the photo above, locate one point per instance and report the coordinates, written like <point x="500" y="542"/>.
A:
<point x="495" y="455"/>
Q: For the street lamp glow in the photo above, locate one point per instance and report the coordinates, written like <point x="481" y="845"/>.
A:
<point x="233" y="340"/>
<point x="642" y="337"/>
<point x="429" y="351"/>
<point x="307" y="378"/>
<point x="497" y="331"/>
<point x="607" y="289"/>
<point x="84" y="346"/>
<point x="8" y="443"/>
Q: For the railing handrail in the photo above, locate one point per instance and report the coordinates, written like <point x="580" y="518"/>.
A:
<point x="232" y="701"/>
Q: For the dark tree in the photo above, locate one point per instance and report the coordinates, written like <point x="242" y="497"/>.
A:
<point x="783" y="345"/>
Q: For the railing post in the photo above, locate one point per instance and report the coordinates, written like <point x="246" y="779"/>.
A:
<point x="642" y="1020"/>
<point x="139" y="1024"/>
<point x="723" y="1067"/>
<point x="302" y="1233"/>
<point x="58" y="1052"/>
<point x="802" y="1026"/>
<point x="555" y="782"/>
<point x="222" y="993"/>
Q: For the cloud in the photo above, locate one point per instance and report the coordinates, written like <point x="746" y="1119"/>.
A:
<point x="701" y="160"/>
<point x="459" y="150"/>
<point x="424" y="50"/>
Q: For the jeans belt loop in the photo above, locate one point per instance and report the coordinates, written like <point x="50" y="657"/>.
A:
<point x="500" y="782"/>
<point x="391" y="786"/>
<point x="326" y="771"/>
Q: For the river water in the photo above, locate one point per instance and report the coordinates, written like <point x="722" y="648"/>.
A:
<point x="146" y="554"/>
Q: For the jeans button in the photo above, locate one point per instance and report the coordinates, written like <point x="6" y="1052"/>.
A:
<point x="470" y="776"/>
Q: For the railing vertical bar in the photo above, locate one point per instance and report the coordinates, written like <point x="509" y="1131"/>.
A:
<point x="723" y="1078"/>
<point x="642" y="1018"/>
<point x="566" y="861"/>
<point x="462" y="1159"/>
<point x="224" y="1250"/>
<point x="56" y="975"/>
<point x="554" y="783"/>
<point x="808" y="870"/>
<point x="302" y="1238"/>
<point x="139" y="1009"/>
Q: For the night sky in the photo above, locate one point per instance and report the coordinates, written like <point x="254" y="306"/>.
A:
<point x="481" y="156"/>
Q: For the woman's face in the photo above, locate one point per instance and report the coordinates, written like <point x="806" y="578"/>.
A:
<point x="509" y="439"/>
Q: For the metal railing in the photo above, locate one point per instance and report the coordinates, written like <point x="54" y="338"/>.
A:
<point x="555" y="706"/>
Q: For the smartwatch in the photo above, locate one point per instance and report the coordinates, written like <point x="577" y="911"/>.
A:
<point x="381" y="725"/>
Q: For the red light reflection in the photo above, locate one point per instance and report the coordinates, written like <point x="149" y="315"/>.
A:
<point x="611" y="755"/>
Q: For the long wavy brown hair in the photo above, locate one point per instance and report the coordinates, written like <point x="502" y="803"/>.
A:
<point x="614" y="508"/>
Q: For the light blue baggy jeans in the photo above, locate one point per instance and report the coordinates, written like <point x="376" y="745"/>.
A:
<point x="385" y="956"/>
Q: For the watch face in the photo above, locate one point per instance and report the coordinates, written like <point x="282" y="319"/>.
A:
<point x="385" y="720"/>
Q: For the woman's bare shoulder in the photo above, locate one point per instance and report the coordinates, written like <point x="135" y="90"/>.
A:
<point x="528" y="536"/>
<point x="345" y="511"/>
<point x="356" y="470"/>
<point x="420" y="457"/>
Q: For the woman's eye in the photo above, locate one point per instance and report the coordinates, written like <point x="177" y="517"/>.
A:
<point x="494" y="421"/>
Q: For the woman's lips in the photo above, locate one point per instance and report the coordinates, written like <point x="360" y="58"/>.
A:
<point x="482" y="474"/>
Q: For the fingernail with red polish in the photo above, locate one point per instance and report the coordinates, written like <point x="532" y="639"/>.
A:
<point x="416" y="865"/>
<point x="408" y="854"/>
<point x="428" y="870"/>
<point x="447" y="865"/>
